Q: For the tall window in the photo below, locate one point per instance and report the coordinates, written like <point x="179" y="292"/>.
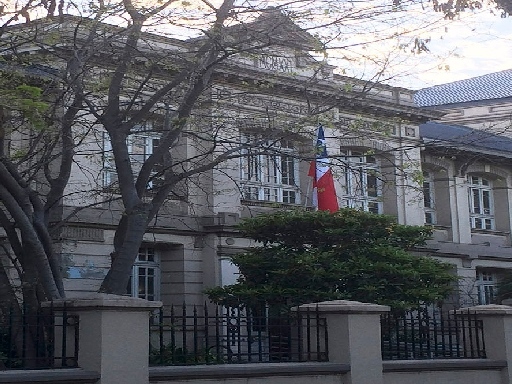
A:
<point x="362" y="186"/>
<point x="140" y="147"/>
<point x="145" y="279"/>
<point x="109" y="166"/>
<point x="273" y="174"/>
<point x="480" y="203"/>
<point x="487" y="287"/>
<point x="429" y="198"/>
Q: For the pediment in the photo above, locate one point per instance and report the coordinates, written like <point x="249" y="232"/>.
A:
<point x="278" y="29"/>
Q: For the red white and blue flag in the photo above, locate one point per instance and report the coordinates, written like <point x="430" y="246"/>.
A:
<point x="324" y="194"/>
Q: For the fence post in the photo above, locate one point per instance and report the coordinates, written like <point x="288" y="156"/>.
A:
<point x="113" y="336"/>
<point x="497" y="327"/>
<point x="354" y="337"/>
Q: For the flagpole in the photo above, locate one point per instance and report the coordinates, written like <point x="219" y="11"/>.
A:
<point x="310" y="180"/>
<point x="310" y="185"/>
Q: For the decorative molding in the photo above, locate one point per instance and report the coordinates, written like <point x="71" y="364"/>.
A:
<point x="263" y="102"/>
<point x="82" y="233"/>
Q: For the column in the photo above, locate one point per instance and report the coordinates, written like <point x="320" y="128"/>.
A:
<point x="113" y="336"/>
<point x="354" y="337"/>
<point x="497" y="326"/>
<point x="461" y="225"/>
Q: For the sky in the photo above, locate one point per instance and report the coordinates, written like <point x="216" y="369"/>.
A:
<point x="475" y="45"/>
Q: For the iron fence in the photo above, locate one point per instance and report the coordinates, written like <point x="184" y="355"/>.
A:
<point x="36" y="339"/>
<point x="430" y="333"/>
<point x="227" y="335"/>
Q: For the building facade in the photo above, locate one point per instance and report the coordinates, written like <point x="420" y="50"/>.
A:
<point x="389" y="154"/>
<point x="467" y="160"/>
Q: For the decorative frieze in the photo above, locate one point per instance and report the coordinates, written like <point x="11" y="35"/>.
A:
<point x="263" y="102"/>
<point x="360" y="124"/>
<point x="82" y="233"/>
<point x="275" y="63"/>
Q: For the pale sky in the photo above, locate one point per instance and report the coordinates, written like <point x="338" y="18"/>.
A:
<point x="474" y="46"/>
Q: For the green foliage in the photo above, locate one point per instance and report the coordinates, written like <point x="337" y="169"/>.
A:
<point x="172" y="355"/>
<point x="25" y="99"/>
<point x="504" y="288"/>
<point x="316" y="256"/>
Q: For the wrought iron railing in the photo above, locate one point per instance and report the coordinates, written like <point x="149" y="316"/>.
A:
<point x="35" y="339"/>
<point x="430" y="333"/>
<point x="208" y="334"/>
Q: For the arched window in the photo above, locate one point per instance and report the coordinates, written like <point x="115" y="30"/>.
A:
<point x="481" y="206"/>
<point x="362" y="187"/>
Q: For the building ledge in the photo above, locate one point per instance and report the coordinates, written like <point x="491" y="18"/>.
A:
<point x="443" y="365"/>
<point x="52" y="376"/>
<point x="245" y="371"/>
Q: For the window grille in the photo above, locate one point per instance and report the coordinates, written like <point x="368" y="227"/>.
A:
<point x="141" y="145"/>
<point x="144" y="282"/>
<point x="487" y="287"/>
<point x="481" y="203"/>
<point x="429" y="198"/>
<point x="270" y="170"/>
<point x="362" y="183"/>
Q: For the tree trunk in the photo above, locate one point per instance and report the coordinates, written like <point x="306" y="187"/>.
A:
<point x="131" y="231"/>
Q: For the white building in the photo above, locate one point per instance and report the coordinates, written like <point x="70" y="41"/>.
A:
<point x="468" y="160"/>
<point x="386" y="159"/>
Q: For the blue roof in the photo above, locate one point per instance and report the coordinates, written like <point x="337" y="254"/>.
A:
<point x="495" y="85"/>
<point x="457" y="135"/>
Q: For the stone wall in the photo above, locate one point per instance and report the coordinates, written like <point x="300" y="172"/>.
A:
<point x="114" y="341"/>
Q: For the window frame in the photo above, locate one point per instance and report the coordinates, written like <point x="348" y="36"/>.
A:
<point x="143" y="262"/>
<point x="355" y="191"/>
<point x="481" y="188"/>
<point x="109" y="168"/>
<point x="487" y="287"/>
<point x="262" y="174"/>
<point x="429" y="205"/>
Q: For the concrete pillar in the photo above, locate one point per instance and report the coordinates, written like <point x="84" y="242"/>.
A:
<point x="354" y="337"/>
<point x="497" y="326"/>
<point x="461" y="225"/>
<point x="113" y="336"/>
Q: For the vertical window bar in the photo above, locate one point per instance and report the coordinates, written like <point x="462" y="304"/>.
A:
<point x="471" y="340"/>
<point x="463" y="327"/>
<point x="308" y="332"/>
<point x="64" y="339"/>
<point x="173" y="334"/>
<point x="318" y="338"/>
<point x="299" y="333"/>
<point x="184" y="328"/>
<point x="194" y="335"/>
<point x="217" y="335"/>
<point x="435" y="323"/>
<point x="206" y="325"/>
<point x="457" y="334"/>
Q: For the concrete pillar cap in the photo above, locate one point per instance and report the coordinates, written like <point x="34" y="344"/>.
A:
<point x="492" y="309"/>
<point x="103" y="301"/>
<point x="344" y="306"/>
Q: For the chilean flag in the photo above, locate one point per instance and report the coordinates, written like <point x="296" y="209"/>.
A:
<point x="324" y="194"/>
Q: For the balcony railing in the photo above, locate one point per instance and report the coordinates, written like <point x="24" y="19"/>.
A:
<point x="35" y="339"/>
<point x="430" y="333"/>
<point x="183" y="335"/>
